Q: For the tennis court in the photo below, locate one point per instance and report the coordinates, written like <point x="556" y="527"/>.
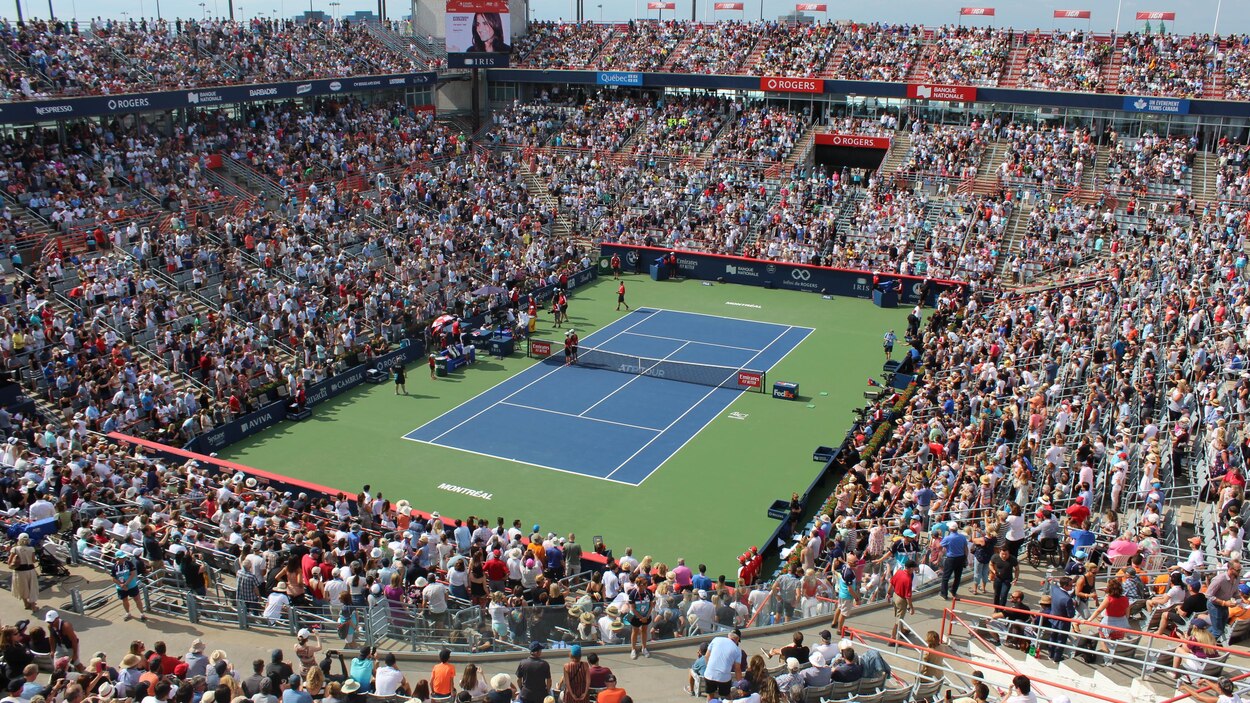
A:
<point x="645" y="385"/>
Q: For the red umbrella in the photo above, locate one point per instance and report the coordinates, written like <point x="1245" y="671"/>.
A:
<point x="440" y="322"/>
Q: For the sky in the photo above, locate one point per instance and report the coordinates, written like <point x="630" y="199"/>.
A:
<point x="1192" y="17"/>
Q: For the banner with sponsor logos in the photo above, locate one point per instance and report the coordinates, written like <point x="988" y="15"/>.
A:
<point x="811" y="7"/>
<point x="977" y="11"/>
<point x="1072" y="14"/>
<point x="618" y="78"/>
<point x="780" y="84"/>
<point x="661" y="6"/>
<point x="270" y="415"/>
<point x="97" y="105"/>
<point x="1169" y="16"/>
<point x="948" y="93"/>
<point x="730" y="6"/>
<point x="1171" y="106"/>
<point x="854" y="141"/>
<point x="774" y="274"/>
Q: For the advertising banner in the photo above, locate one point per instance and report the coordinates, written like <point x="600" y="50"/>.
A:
<point x="272" y="414"/>
<point x="1072" y="14"/>
<point x="1171" y="106"/>
<point x="774" y="274"/>
<point x="1169" y="16"/>
<point x="811" y="7"/>
<point x="661" y="6"/>
<point x="779" y="84"/>
<point x="97" y="105"/>
<point x="730" y="6"/>
<point x="618" y="78"/>
<point x="977" y="11"/>
<point x="854" y="141"/>
<point x="948" y="93"/>
<point x="479" y="33"/>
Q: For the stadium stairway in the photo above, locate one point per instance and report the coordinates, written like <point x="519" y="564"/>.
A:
<point x="752" y="60"/>
<point x="1013" y="240"/>
<point x="798" y="156"/>
<point x="1016" y="61"/>
<point x="400" y="45"/>
<point x="831" y="70"/>
<point x="560" y="226"/>
<point x="1111" y="69"/>
<point x="1205" y="168"/>
<point x="900" y="149"/>
<point x="686" y="40"/>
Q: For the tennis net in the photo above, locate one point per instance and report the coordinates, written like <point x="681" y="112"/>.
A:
<point x="683" y="371"/>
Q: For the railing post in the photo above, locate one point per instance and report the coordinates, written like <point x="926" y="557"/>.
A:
<point x="147" y="598"/>
<point x="72" y="545"/>
<point x="193" y="607"/>
<point x="75" y="601"/>
<point x="241" y="609"/>
<point x="293" y="621"/>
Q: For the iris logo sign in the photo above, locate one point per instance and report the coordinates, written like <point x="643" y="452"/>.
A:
<point x="801" y="274"/>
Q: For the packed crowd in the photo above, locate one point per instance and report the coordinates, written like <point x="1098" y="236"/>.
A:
<point x="878" y="52"/>
<point x="946" y="150"/>
<point x="968" y="55"/>
<point x="562" y="45"/>
<point x="1137" y="165"/>
<point x="1165" y="64"/>
<point x="49" y="59"/>
<point x="759" y="134"/>
<point x="715" y="49"/>
<point x="1065" y="62"/>
<point x="1046" y="157"/>
<point x="644" y="46"/>
<point x="111" y="56"/>
<point x="802" y="51"/>
<point x="1231" y="179"/>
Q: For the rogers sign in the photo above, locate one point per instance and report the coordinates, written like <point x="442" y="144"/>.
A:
<point x="854" y="141"/>
<point x="949" y="93"/>
<point x="774" y="84"/>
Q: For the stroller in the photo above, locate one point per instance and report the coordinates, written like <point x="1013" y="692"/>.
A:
<point x="51" y="565"/>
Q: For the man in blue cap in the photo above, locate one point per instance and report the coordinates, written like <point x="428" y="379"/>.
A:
<point x="576" y="679"/>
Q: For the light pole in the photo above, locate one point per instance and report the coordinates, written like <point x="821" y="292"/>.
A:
<point x="334" y="9"/>
<point x="600" y="12"/>
<point x="1215" y="30"/>
<point x="203" y="10"/>
<point x="1118" y="6"/>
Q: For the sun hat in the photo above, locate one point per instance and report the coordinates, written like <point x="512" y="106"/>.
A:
<point x="350" y="686"/>
<point x="501" y="682"/>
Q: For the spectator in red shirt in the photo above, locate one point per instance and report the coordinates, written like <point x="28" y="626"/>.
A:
<point x="901" y="592"/>
<point x="1077" y="513"/>
<point x="160" y="661"/>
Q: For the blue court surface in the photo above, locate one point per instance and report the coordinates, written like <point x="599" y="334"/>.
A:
<point x="605" y="424"/>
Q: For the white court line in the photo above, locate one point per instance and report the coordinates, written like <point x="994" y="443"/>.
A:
<point x="717" y="413"/>
<point x="705" y="344"/>
<point x="692" y="407"/>
<point x="729" y="317"/>
<point x="580" y="417"/>
<point x="519" y="461"/>
<point x="510" y="395"/>
<point x="635" y="378"/>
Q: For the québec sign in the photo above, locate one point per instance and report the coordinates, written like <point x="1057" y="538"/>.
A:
<point x="778" y="84"/>
<point x="948" y="93"/>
